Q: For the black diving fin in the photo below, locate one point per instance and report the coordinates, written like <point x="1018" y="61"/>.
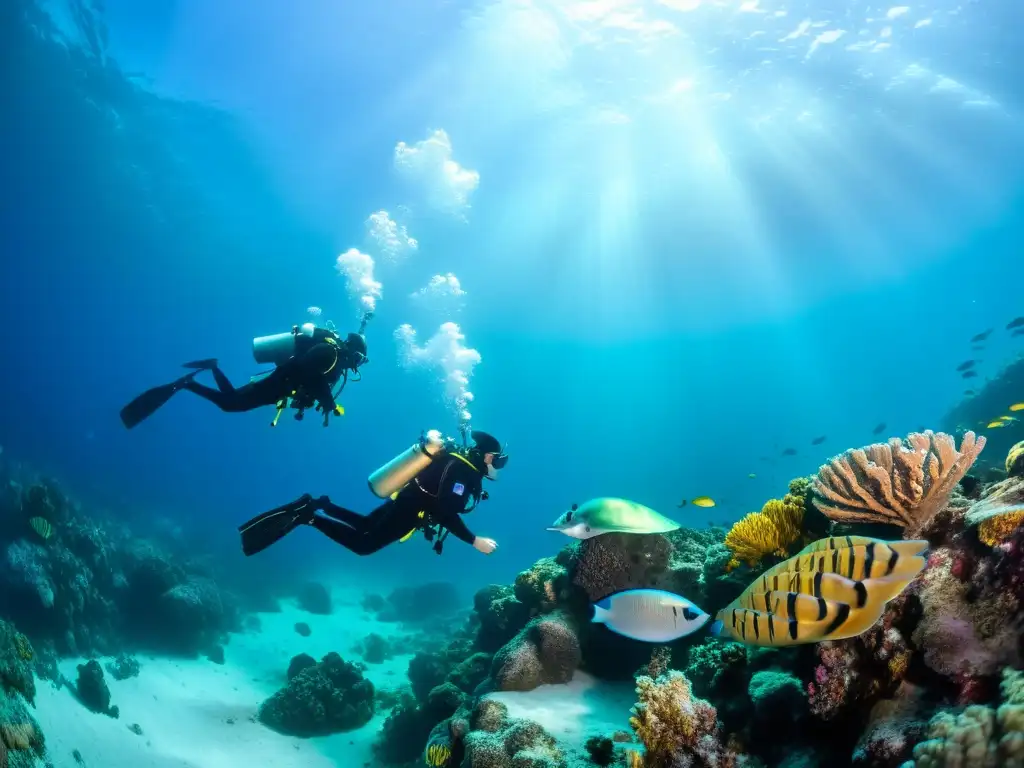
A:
<point x="146" y="404"/>
<point x="272" y="526"/>
<point x="202" y="365"/>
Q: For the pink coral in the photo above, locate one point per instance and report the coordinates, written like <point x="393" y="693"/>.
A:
<point x="833" y="678"/>
<point x="964" y="630"/>
<point x="1007" y="571"/>
<point x="862" y="669"/>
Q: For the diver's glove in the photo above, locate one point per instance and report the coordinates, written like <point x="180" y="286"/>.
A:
<point x="337" y="410"/>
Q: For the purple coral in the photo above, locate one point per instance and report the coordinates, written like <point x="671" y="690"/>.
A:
<point x="964" y="631"/>
<point x="833" y="677"/>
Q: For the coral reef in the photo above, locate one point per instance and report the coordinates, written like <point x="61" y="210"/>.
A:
<point x="546" y="651"/>
<point x="314" y="597"/>
<point x="16" y="657"/>
<point x="91" y="587"/>
<point x="965" y="631"/>
<point x="123" y="667"/>
<point x="978" y="736"/>
<point x="894" y="726"/>
<point x="328" y="697"/>
<point x="675" y="726"/>
<point x="433" y="601"/>
<point x="494" y="740"/>
<point x="772" y="531"/>
<point x="92" y="689"/>
<point x="857" y="672"/>
<point x="375" y="649"/>
<point x="901" y="482"/>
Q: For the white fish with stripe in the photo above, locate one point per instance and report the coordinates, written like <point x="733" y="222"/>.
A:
<point x="649" y="615"/>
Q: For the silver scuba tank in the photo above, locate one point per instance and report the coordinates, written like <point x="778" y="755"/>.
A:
<point x="403" y="469"/>
<point x="275" y="349"/>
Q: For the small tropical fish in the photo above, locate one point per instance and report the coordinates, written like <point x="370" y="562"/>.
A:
<point x="751" y="475"/>
<point x="607" y="515"/>
<point x="996" y="424"/>
<point x="789" y="452"/>
<point x="1017" y="322"/>
<point x="965" y="365"/>
<point x="879" y="429"/>
<point x="41" y="526"/>
<point x="981" y="336"/>
<point x="1006" y="418"/>
<point x="649" y="615"/>
<point x="1017" y="407"/>
<point x="819" y="440"/>
<point x="835" y="588"/>
<point x="703" y="501"/>
<point x="969" y="375"/>
<point x="437" y="753"/>
<point x="314" y="311"/>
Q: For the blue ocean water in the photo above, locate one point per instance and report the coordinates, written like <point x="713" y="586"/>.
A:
<point x="650" y="323"/>
<point x="690" y="234"/>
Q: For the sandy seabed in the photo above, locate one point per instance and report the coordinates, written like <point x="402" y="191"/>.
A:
<point x="198" y="714"/>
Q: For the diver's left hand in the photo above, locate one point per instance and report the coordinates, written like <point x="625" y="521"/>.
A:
<point x="487" y="546"/>
<point x="337" y="410"/>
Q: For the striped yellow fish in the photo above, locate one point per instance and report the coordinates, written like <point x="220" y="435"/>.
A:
<point x="437" y="754"/>
<point x="41" y="526"/>
<point x="833" y="589"/>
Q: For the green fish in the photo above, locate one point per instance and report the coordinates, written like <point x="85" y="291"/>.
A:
<point x="41" y="526"/>
<point x="606" y="515"/>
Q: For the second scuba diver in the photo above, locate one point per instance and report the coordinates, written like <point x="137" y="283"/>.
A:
<point x="429" y="487"/>
<point x="308" y="363"/>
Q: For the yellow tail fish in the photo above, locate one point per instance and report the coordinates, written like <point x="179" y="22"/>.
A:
<point x="833" y="589"/>
<point x="437" y="754"/>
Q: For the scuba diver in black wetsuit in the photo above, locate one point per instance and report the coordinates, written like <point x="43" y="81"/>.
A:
<point x="309" y="362"/>
<point x="429" y="487"/>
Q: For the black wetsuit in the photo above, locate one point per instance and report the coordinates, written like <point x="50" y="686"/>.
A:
<point x="311" y="373"/>
<point x="443" y="492"/>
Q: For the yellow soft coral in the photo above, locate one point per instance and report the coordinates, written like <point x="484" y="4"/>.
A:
<point x="768" y="532"/>
<point x="799" y="488"/>
<point x="996" y="529"/>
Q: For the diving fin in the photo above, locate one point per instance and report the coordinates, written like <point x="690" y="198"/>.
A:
<point x="269" y="527"/>
<point x="146" y="404"/>
<point x="202" y="365"/>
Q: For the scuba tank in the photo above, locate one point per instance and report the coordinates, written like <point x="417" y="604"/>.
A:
<point x="276" y="349"/>
<point x="402" y="469"/>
